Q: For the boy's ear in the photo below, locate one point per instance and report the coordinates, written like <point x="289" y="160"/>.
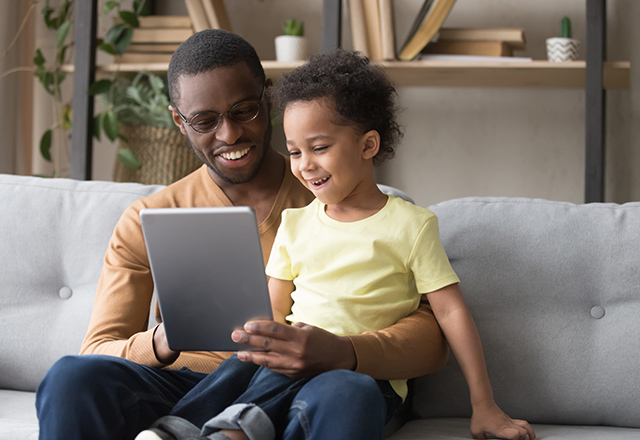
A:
<point x="176" y="119"/>
<point x="371" y="144"/>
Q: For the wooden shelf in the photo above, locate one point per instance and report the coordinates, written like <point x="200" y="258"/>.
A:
<point x="533" y="74"/>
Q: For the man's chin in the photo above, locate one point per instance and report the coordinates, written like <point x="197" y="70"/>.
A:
<point x="235" y="178"/>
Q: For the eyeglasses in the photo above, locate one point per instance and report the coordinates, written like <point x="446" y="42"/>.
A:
<point x="241" y="112"/>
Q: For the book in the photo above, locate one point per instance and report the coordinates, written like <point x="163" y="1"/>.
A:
<point x="358" y="27"/>
<point x="438" y="11"/>
<point x="216" y="14"/>
<point x="164" y="21"/>
<point x="473" y="58"/>
<point x="372" y="25"/>
<point x="386" y="30"/>
<point x="153" y="47"/>
<point x="418" y="20"/>
<point x="198" y="17"/>
<point x="161" y="35"/>
<point x="469" y="47"/>
<point x="513" y="36"/>
<point x="331" y="25"/>
<point x="142" y="58"/>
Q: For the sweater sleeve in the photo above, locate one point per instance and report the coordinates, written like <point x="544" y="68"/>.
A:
<point x="412" y="347"/>
<point x="119" y="324"/>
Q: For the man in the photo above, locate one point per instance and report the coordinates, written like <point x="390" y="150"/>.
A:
<point x="219" y="98"/>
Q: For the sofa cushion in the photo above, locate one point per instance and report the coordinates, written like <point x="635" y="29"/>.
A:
<point x="18" y="415"/>
<point x="458" y="429"/>
<point x="55" y="233"/>
<point x="555" y="291"/>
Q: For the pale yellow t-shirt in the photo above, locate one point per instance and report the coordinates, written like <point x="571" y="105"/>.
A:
<point x="358" y="276"/>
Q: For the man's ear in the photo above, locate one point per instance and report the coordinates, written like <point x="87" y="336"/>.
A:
<point x="176" y="119"/>
<point x="371" y="146"/>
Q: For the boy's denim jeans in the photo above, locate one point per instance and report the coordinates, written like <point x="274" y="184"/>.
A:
<point x="104" y="397"/>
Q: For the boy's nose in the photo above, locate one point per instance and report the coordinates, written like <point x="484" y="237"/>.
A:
<point x="305" y="163"/>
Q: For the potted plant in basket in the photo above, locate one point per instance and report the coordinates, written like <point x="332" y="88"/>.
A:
<point x="292" y="45"/>
<point x="152" y="149"/>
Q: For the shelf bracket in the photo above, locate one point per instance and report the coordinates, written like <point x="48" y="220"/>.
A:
<point x="82" y="103"/>
<point x="595" y="114"/>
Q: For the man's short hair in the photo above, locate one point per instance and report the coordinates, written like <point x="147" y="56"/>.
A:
<point x="207" y="50"/>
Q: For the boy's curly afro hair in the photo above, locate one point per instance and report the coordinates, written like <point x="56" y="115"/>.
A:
<point x="362" y="94"/>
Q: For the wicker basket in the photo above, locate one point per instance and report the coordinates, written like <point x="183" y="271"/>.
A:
<point x="165" y="156"/>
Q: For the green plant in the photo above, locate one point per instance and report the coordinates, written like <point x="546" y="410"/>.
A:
<point x="140" y="101"/>
<point x="293" y="27"/>
<point x="51" y="75"/>
<point x="566" y="27"/>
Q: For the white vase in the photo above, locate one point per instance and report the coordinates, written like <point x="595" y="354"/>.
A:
<point x="562" y="49"/>
<point x="291" y="48"/>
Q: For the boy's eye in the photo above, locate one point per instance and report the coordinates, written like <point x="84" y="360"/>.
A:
<point x="320" y="149"/>
<point x="294" y="153"/>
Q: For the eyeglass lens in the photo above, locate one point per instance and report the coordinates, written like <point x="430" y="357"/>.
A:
<point x="242" y="112"/>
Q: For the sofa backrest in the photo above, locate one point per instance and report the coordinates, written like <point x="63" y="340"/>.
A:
<point x="555" y="291"/>
<point x="53" y="237"/>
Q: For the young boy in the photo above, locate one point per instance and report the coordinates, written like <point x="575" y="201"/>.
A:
<point x="355" y="259"/>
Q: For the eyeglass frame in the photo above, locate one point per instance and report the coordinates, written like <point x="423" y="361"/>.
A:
<point x="220" y="115"/>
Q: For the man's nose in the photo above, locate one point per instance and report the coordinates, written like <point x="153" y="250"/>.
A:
<point x="228" y="131"/>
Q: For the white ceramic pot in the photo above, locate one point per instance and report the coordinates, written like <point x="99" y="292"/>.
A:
<point x="562" y="49"/>
<point x="291" y="48"/>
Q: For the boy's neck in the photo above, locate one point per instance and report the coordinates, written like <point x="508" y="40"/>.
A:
<point x="366" y="200"/>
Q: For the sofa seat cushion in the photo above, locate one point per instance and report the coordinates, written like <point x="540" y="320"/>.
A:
<point x="454" y="429"/>
<point x="18" y="418"/>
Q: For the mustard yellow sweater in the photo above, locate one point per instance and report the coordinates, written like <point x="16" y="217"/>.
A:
<point x="118" y="327"/>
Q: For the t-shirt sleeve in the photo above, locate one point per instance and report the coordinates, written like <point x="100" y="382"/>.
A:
<point x="429" y="261"/>
<point x="279" y="264"/>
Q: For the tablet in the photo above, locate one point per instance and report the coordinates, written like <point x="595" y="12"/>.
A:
<point x="209" y="274"/>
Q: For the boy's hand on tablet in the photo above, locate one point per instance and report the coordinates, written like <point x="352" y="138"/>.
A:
<point x="297" y="350"/>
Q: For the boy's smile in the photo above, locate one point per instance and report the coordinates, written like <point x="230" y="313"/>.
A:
<point x="334" y="161"/>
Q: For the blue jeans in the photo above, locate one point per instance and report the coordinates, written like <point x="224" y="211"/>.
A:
<point x="103" y="397"/>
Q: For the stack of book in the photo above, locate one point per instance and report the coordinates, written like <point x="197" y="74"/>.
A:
<point x="156" y="39"/>
<point x="160" y="35"/>
<point x="372" y="28"/>
<point x="498" y="42"/>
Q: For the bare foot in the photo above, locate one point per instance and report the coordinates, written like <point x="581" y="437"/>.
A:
<point x="234" y="434"/>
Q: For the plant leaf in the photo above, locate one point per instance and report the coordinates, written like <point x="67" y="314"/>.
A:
<point x="110" y="125"/>
<point x="62" y="33"/>
<point x="39" y="60"/>
<point x="45" y="145"/>
<point x="124" y="41"/>
<point x="108" y="48"/>
<point x="130" y="18"/>
<point x="100" y="87"/>
<point x="108" y="6"/>
<point x="96" y="126"/>
<point x="128" y="159"/>
<point x="114" y="33"/>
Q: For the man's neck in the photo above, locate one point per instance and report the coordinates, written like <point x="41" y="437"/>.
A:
<point x="260" y="193"/>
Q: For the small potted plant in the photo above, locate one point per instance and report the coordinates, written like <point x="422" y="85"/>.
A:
<point x="563" y="48"/>
<point x="292" y="45"/>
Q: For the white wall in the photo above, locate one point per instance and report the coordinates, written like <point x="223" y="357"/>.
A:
<point x="495" y="142"/>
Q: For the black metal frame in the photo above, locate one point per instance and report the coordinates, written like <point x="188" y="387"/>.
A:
<point x="85" y="37"/>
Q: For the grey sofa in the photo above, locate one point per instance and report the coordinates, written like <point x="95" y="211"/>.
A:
<point x="554" y="289"/>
